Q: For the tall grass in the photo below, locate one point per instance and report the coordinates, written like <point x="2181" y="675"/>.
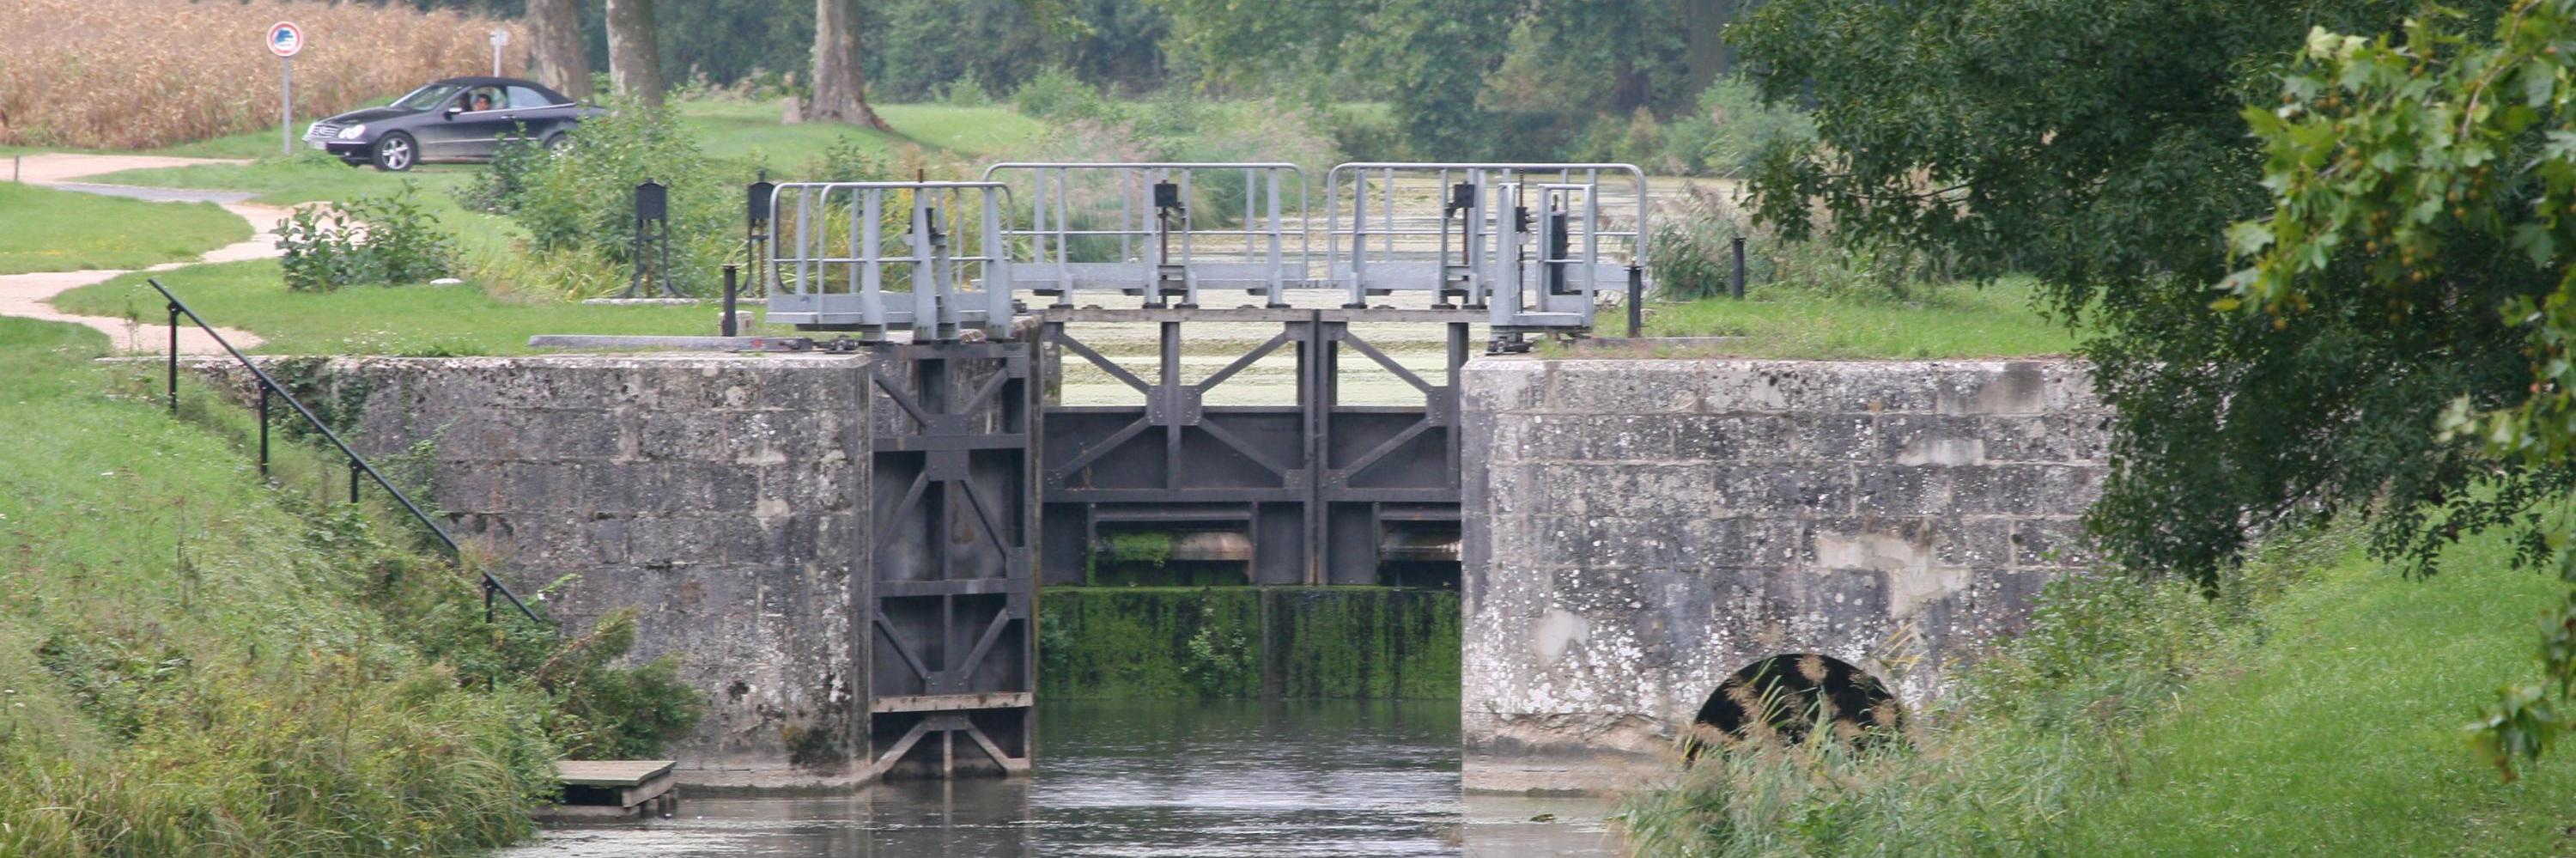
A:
<point x="2313" y="708"/>
<point x="136" y="74"/>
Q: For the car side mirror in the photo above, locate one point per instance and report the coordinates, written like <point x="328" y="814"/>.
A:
<point x="452" y="110"/>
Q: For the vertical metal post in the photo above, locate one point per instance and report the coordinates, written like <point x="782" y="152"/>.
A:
<point x="174" y="358"/>
<point x="263" y="430"/>
<point x="353" y="481"/>
<point x="1167" y="389"/>
<point x="286" y="110"/>
<point x="1637" y="300"/>
<point x="731" y="276"/>
<point x="1735" y="284"/>
<point x="487" y="601"/>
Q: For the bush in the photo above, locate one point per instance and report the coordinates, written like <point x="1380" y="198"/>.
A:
<point x="1994" y="770"/>
<point x="1693" y="256"/>
<point x="580" y="204"/>
<point x="1730" y="129"/>
<point x="1056" y="95"/>
<point x="371" y="239"/>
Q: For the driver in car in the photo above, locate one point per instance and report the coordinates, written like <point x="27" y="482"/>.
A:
<point x="482" y="101"/>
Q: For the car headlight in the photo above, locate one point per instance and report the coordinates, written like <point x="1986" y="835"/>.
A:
<point x="353" y="132"/>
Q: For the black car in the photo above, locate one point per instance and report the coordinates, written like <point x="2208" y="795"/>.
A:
<point x="460" y="119"/>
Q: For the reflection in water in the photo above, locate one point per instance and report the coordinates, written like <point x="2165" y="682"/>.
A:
<point x="1152" y="779"/>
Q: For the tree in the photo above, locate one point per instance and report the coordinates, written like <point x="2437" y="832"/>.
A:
<point x="2416" y="173"/>
<point x="840" y="92"/>
<point x="634" y="51"/>
<point x="2098" y="146"/>
<point x="555" y="56"/>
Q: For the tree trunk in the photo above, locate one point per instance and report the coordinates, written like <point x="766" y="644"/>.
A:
<point x="634" y="51"/>
<point x="840" y="95"/>
<point x="555" y="57"/>
<point x="1708" y="55"/>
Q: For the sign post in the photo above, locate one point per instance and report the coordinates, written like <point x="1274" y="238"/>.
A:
<point x="499" y="38"/>
<point x="285" y="40"/>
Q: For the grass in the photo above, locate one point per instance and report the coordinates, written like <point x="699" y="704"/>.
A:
<point x="1961" y="321"/>
<point x="190" y="660"/>
<point x="461" y="319"/>
<point x="2315" y="709"/>
<point x="42" y="229"/>
<point x="2342" y="734"/>
<point x="744" y="131"/>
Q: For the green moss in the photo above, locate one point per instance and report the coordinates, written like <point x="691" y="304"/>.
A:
<point x="1238" y="642"/>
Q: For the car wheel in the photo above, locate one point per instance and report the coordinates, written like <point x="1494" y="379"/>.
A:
<point x="558" y="143"/>
<point x="396" y="152"/>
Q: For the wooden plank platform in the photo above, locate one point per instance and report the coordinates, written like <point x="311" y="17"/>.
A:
<point x="612" y="790"/>
<point x="611" y="773"/>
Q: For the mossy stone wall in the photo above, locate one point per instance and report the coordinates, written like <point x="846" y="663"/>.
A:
<point x="1313" y="643"/>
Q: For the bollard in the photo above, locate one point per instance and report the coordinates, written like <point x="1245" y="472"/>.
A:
<point x="1735" y="284"/>
<point x="1636" y="300"/>
<point x="731" y="274"/>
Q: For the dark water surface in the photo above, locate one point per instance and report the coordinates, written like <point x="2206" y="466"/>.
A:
<point x="1153" y="779"/>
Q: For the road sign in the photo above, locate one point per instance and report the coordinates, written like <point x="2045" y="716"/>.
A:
<point x="285" y="39"/>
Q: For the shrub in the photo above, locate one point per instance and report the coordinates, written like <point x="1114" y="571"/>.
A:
<point x="1056" y="95"/>
<point x="371" y="239"/>
<point x="580" y="204"/>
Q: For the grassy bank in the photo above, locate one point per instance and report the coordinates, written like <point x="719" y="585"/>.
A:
<point x="2316" y="709"/>
<point x="42" y="229"/>
<point x="190" y="666"/>
<point x="195" y="661"/>
<point x="414" y="320"/>
<point x="1956" y="321"/>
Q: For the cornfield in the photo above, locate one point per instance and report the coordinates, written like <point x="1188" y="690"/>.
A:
<point x="138" y="74"/>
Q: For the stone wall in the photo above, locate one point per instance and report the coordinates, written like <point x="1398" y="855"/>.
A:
<point x="715" y="495"/>
<point x="1637" y="531"/>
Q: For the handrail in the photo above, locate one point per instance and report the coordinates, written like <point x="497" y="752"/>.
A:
<point x="357" y="464"/>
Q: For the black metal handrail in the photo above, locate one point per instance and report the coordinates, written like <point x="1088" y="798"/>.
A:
<point x="357" y="464"/>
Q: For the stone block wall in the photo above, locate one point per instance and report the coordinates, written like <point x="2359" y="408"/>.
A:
<point x="1637" y="531"/>
<point x="717" y="496"/>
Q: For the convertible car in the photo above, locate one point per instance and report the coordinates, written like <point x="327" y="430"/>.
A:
<point x="457" y="120"/>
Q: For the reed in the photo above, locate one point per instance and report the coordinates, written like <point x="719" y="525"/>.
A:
<point x="140" y="74"/>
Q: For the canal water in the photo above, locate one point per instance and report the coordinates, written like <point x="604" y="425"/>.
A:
<point x="1235" y="778"/>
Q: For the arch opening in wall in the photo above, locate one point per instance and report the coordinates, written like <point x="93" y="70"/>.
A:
<point x="1788" y="696"/>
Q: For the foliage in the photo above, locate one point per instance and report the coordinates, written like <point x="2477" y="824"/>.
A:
<point x="2098" y="147"/>
<point x="368" y="240"/>
<point x="1059" y="97"/>
<point x="163" y="85"/>
<point x="582" y="201"/>
<point x="1217" y="661"/>
<point x="2427" y="173"/>
<point x="43" y="229"/>
<point x="2140" y="718"/>
<point x="188" y="667"/>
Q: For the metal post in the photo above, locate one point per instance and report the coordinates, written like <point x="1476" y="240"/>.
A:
<point x="487" y="600"/>
<point x="1637" y="300"/>
<point x="353" y="481"/>
<point x="286" y="110"/>
<point x="1735" y="285"/>
<point x="263" y="430"/>
<point x="730" y="275"/>
<point x="174" y="358"/>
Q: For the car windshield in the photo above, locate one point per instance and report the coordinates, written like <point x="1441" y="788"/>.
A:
<point x="427" y="97"/>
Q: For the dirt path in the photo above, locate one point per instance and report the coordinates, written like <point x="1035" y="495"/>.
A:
<point x="31" y="295"/>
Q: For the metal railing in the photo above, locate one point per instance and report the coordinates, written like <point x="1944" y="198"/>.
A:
<point x="358" y="465"/>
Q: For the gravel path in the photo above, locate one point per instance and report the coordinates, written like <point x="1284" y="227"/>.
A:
<point x="31" y="295"/>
